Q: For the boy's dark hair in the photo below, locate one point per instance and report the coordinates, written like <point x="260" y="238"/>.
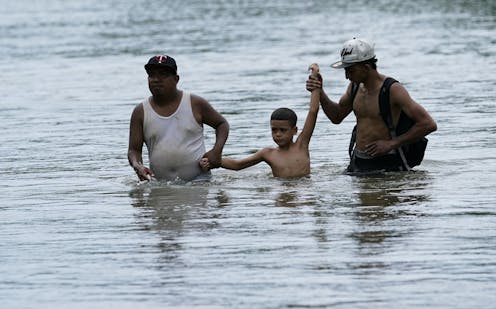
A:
<point x="284" y="113"/>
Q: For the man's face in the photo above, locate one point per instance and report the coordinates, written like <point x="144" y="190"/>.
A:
<point x="161" y="81"/>
<point x="355" y="73"/>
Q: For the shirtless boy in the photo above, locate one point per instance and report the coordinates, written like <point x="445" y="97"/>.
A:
<point x="290" y="158"/>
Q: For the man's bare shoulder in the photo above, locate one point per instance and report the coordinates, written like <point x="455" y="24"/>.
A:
<point x="399" y="95"/>
<point x="200" y="104"/>
<point x="138" y="111"/>
<point x="198" y="100"/>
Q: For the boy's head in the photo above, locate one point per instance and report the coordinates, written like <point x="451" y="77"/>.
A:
<point x="284" y="113"/>
<point x="283" y="126"/>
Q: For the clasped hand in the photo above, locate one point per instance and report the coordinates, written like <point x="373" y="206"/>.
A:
<point x="314" y="82"/>
<point x="210" y="160"/>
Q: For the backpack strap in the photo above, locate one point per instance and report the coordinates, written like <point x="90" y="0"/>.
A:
<point x="385" y="110"/>
<point x="354" y="90"/>
<point x="384" y="106"/>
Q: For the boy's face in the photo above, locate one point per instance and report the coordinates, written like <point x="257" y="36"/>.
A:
<point x="282" y="132"/>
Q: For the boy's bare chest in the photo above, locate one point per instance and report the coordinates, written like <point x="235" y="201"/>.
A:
<point x="294" y="159"/>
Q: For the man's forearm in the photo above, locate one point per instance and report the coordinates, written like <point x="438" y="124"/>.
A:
<point x="330" y="108"/>
<point x="221" y="134"/>
<point x="135" y="159"/>
<point x="415" y="133"/>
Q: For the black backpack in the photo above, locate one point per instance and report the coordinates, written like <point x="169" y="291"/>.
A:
<point x="411" y="154"/>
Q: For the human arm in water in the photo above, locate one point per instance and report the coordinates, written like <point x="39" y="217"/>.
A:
<point x="206" y="114"/>
<point x="135" y="148"/>
<point x="239" y="164"/>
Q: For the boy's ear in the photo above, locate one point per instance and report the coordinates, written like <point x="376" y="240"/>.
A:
<point x="295" y="130"/>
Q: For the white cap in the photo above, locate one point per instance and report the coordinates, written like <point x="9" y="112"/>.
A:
<point x="355" y="50"/>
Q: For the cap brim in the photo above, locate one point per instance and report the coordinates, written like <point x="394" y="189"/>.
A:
<point x="159" y="65"/>
<point x="341" y="65"/>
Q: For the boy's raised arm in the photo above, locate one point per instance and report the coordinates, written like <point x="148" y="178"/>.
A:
<point x="306" y="133"/>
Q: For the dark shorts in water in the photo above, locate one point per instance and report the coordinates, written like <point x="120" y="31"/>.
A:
<point x="362" y="163"/>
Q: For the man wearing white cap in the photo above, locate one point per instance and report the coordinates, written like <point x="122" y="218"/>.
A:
<point x="378" y="144"/>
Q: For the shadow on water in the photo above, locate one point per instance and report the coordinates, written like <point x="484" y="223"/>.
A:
<point x="386" y="205"/>
<point x="166" y="210"/>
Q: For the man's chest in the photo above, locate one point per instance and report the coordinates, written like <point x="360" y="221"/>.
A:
<point x="366" y="105"/>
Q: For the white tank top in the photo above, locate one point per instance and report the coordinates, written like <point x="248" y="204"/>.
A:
<point x="175" y="143"/>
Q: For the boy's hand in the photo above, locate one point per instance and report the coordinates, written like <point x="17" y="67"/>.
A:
<point x="205" y="164"/>
<point x="214" y="158"/>
<point x="314" y="68"/>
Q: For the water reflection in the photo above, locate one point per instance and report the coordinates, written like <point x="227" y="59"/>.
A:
<point x="287" y="199"/>
<point x="295" y="192"/>
<point x="166" y="210"/>
<point x="386" y="198"/>
<point x="394" y="188"/>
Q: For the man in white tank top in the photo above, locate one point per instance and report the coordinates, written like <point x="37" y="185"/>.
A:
<point x="170" y="123"/>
